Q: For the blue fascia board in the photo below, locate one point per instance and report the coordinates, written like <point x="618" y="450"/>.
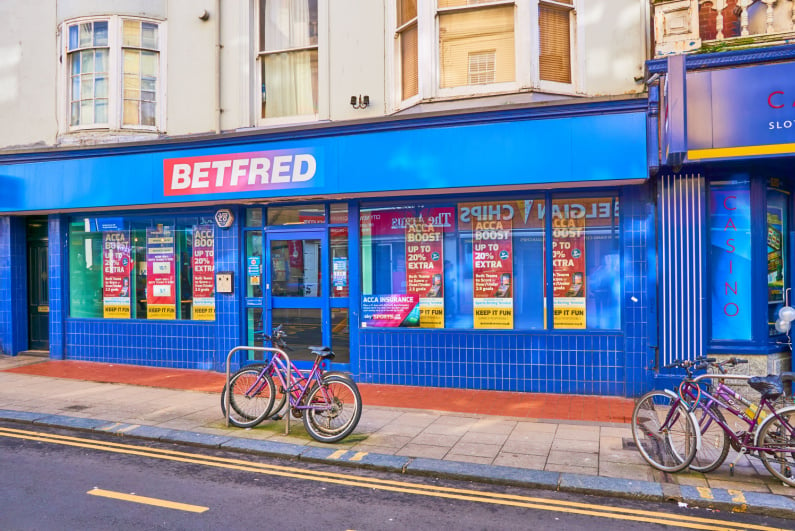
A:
<point x="597" y="142"/>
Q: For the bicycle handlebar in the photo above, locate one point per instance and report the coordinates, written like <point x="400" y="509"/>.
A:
<point x="277" y="339"/>
<point x="704" y="362"/>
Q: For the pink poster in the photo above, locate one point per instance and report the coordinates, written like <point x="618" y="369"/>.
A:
<point x="161" y="296"/>
<point x="203" y="262"/>
<point x="425" y="270"/>
<point x="116" y="268"/>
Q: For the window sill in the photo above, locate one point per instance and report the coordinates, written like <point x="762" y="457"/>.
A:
<point x="89" y="137"/>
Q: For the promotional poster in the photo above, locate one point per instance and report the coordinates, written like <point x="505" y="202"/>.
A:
<point x="203" y="262"/>
<point x="492" y="255"/>
<point x="116" y="268"/>
<point x="161" y="301"/>
<point x="424" y="270"/>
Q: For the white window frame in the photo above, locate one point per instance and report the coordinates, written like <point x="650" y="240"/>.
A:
<point x="115" y="94"/>
<point x="322" y="74"/>
<point x="527" y="76"/>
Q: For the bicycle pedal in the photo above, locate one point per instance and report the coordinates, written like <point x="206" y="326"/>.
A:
<point x="276" y="417"/>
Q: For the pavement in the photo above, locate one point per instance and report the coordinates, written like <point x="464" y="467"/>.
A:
<point x="564" y="443"/>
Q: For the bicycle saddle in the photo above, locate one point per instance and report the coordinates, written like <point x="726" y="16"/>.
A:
<point x="787" y="376"/>
<point x="770" y="386"/>
<point x="323" y="352"/>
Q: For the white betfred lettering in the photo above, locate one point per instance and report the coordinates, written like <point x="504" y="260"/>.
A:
<point x="311" y="166"/>
<point x="238" y="170"/>
<point x="201" y="175"/>
<point x="259" y="168"/>
<point x="220" y="166"/>
<point x="180" y="177"/>
<point x="281" y="169"/>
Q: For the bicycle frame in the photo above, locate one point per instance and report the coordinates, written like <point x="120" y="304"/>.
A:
<point x="296" y="383"/>
<point x="730" y="400"/>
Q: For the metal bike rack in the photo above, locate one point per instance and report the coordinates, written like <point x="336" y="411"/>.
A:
<point x="228" y="398"/>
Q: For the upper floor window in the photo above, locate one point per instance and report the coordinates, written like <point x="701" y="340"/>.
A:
<point x="288" y="47"/>
<point x="470" y="47"/>
<point x="114" y="78"/>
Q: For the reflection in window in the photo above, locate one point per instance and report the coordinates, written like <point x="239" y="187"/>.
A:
<point x="777" y="251"/>
<point x="137" y="268"/>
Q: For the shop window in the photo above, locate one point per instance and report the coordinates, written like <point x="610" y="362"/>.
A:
<point x="113" y="73"/>
<point x="134" y="268"/>
<point x="297" y="215"/>
<point x="730" y="259"/>
<point x="471" y="47"/>
<point x="586" y="265"/>
<point x="777" y="252"/>
<point x="483" y="264"/>
<point x="288" y="55"/>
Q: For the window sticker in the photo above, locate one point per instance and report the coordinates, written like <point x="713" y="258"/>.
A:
<point x="424" y="270"/>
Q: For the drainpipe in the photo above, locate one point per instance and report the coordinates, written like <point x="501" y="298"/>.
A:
<point x="218" y="46"/>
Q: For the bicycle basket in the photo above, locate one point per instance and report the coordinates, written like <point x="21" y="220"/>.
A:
<point x="769" y="386"/>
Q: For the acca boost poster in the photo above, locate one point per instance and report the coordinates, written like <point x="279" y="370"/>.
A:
<point x="203" y="270"/>
<point x="568" y="279"/>
<point x="161" y="301"/>
<point x="492" y="268"/>
<point x="116" y="268"/>
<point x="424" y="270"/>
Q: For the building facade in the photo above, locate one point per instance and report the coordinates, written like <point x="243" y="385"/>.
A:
<point x="722" y="164"/>
<point x="451" y="194"/>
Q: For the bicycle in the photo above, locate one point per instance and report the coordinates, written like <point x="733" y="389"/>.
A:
<point x="328" y="401"/>
<point x="770" y="435"/>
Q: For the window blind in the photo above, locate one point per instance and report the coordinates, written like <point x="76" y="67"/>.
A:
<point x="555" y="43"/>
<point x="409" y="62"/>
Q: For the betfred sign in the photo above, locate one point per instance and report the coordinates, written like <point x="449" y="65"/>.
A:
<point x="239" y="172"/>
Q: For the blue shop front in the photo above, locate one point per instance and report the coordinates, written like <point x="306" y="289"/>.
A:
<point x="724" y="175"/>
<point x="504" y="249"/>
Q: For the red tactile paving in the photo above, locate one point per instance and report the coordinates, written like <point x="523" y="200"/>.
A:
<point x="510" y="404"/>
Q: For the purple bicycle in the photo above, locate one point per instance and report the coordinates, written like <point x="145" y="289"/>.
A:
<point x="328" y="401"/>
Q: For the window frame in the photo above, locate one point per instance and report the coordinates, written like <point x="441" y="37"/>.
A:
<point x="526" y="53"/>
<point x="322" y="71"/>
<point x="115" y="76"/>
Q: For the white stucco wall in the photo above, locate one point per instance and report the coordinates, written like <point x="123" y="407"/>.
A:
<point x="355" y="58"/>
<point x="27" y="73"/>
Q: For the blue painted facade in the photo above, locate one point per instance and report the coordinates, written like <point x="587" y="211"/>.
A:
<point x="726" y="136"/>
<point x="600" y="147"/>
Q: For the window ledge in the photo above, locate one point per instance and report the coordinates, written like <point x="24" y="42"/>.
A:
<point x="457" y="103"/>
<point x="98" y="137"/>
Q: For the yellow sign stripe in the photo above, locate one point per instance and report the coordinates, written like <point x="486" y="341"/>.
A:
<point x="358" y="456"/>
<point x="546" y="504"/>
<point x="338" y="454"/>
<point x="148" y="501"/>
<point x="705" y="492"/>
<point x="742" y="151"/>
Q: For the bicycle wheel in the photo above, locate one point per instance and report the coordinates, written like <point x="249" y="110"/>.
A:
<point x="714" y="442"/>
<point x="664" y="432"/>
<point x="778" y="435"/>
<point x="336" y="407"/>
<point x="251" y="399"/>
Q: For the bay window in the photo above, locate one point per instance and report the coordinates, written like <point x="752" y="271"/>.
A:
<point x="113" y="68"/>
<point x="452" y="48"/>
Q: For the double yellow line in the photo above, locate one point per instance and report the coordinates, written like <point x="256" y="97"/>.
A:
<point x="511" y="500"/>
